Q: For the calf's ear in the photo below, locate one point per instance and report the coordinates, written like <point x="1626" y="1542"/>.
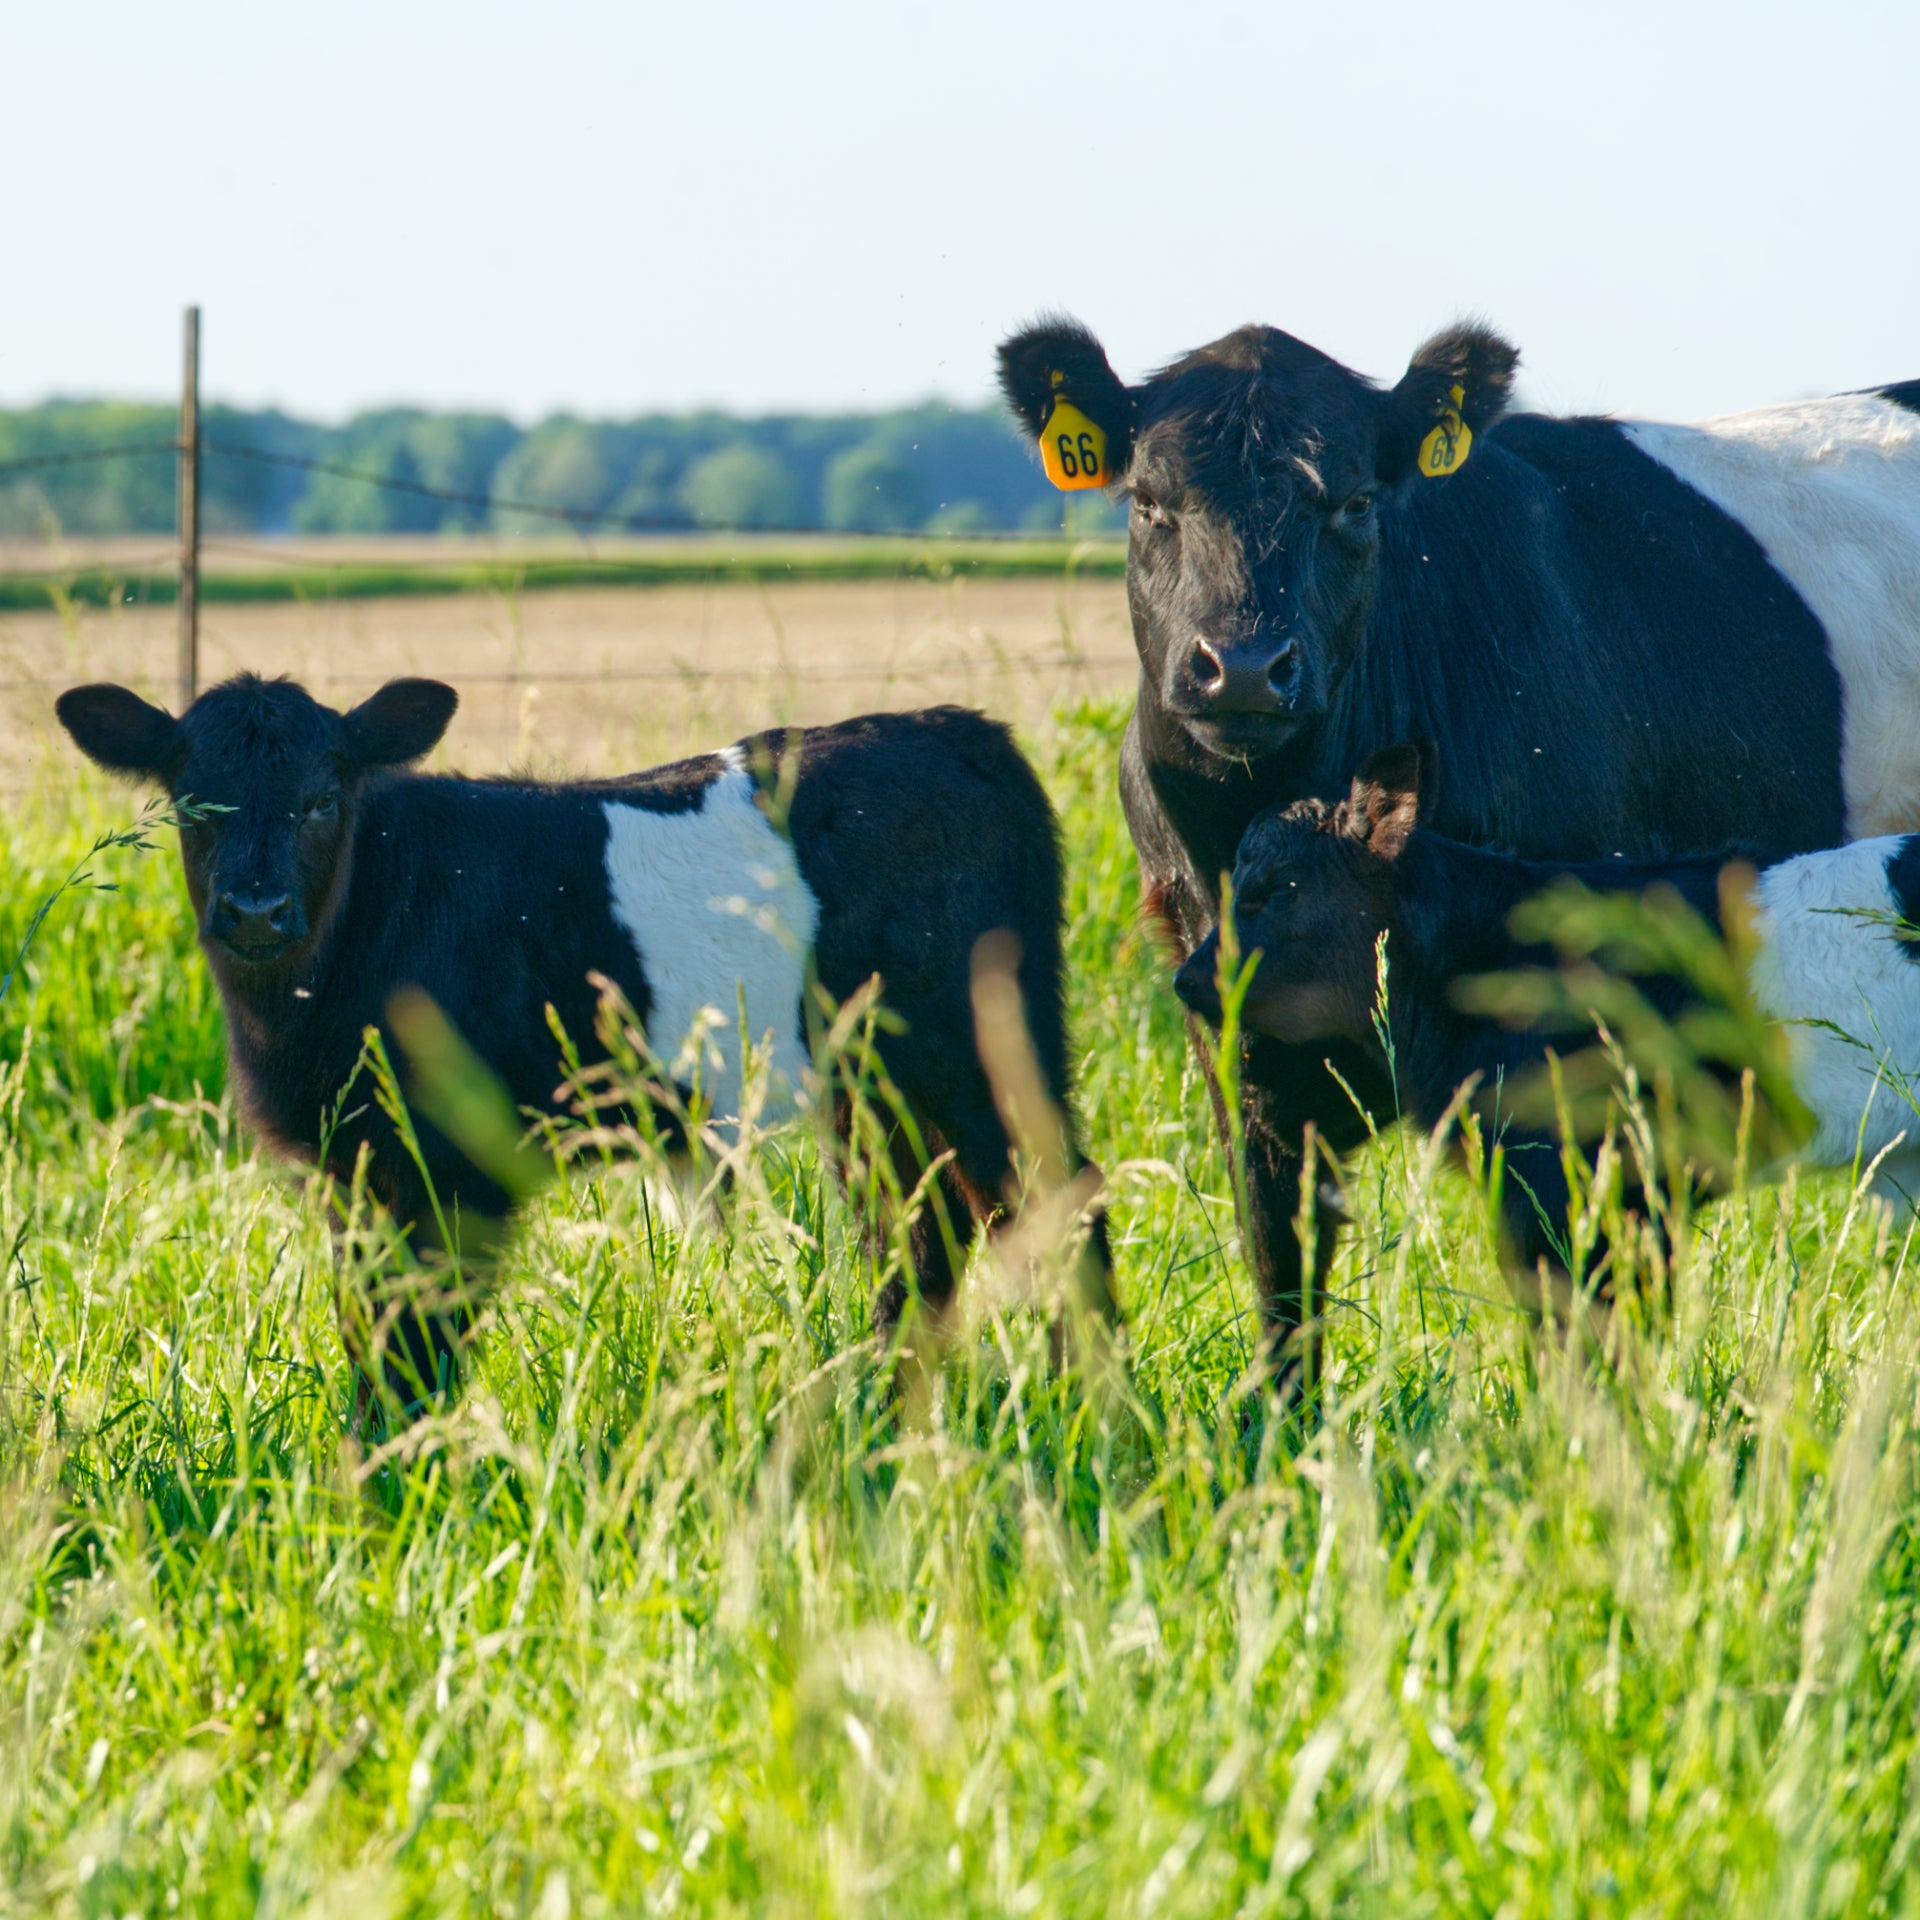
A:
<point x="1057" y="360"/>
<point x="1462" y="378"/>
<point x="119" y="731"/>
<point x="1388" y="795"/>
<point x="399" y="723"/>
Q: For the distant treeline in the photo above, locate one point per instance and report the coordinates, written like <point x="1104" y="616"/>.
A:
<point x="935" y="468"/>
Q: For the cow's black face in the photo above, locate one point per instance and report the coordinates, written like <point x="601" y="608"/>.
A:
<point x="268" y="780"/>
<point x="1258" y="472"/>
<point x="265" y="859"/>
<point x="1312" y="903"/>
<point x="1314" y="889"/>
<point x="1254" y="538"/>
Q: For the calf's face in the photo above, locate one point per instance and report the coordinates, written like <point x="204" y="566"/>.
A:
<point x="1257" y="472"/>
<point x="1314" y="888"/>
<point x="268" y="780"/>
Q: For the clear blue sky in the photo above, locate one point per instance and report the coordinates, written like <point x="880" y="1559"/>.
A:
<point x="1675" y="209"/>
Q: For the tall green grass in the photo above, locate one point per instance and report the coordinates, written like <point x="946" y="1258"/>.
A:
<point x="676" y="1612"/>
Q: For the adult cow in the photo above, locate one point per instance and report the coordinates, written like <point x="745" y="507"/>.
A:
<point x="1625" y="636"/>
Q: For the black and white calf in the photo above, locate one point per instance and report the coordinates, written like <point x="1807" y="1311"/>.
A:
<point x="324" y="878"/>
<point x="1626" y="637"/>
<point x="1316" y="885"/>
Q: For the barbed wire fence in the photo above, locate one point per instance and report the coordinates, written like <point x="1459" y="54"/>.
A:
<point x="180" y="567"/>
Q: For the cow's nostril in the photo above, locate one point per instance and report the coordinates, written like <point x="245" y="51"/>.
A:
<point x="1283" y="666"/>
<point x="1209" y="670"/>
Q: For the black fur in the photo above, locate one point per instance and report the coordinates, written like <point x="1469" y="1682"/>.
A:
<point x="1316" y="885"/>
<point x="916" y="832"/>
<point x="1904" y="393"/>
<point x="1903" y="882"/>
<point x="1608" y="661"/>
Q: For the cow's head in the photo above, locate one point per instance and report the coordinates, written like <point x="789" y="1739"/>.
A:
<point x="272" y="779"/>
<point x="1314" y="888"/>
<point x="1258" y="471"/>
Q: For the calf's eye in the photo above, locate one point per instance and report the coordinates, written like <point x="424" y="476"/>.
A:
<point x="1358" y="506"/>
<point x="323" y="808"/>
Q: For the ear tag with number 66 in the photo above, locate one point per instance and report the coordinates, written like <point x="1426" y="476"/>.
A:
<point x="1073" y="450"/>
<point x="1445" y="449"/>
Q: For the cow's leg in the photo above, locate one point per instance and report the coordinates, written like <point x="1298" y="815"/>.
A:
<point x="939" y="1230"/>
<point x="404" y="1335"/>
<point x="1291" y="1293"/>
<point x="970" y="1192"/>
<point x="1283" y="1091"/>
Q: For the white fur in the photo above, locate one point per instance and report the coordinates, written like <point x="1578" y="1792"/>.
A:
<point x="716" y="908"/>
<point x="1828" y="954"/>
<point x="1831" y="491"/>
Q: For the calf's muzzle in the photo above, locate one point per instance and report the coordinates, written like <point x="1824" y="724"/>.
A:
<point x="1198" y="981"/>
<point x="255" y="924"/>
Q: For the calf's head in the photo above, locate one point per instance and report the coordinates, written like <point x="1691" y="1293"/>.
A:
<point x="269" y="780"/>
<point x="1314" y="887"/>
<point x="1258" y="472"/>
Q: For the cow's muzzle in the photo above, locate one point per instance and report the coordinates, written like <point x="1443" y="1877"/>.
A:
<point x="256" y="925"/>
<point x="1253" y="677"/>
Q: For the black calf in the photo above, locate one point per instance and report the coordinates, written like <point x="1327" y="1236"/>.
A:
<point x="328" y="878"/>
<point x="1316" y="886"/>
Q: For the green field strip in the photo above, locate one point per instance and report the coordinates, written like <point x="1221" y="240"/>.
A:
<point x="370" y="580"/>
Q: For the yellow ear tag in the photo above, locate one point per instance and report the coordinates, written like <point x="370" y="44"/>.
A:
<point x="1072" y="449"/>
<point x="1447" y="446"/>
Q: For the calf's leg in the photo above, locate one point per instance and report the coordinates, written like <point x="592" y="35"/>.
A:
<point x="1283" y="1089"/>
<point x="405" y="1336"/>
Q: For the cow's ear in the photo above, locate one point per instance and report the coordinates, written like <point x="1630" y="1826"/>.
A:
<point x="399" y="723"/>
<point x="1456" y="386"/>
<point x="1057" y="361"/>
<point x="1389" y="793"/>
<point x="118" y="730"/>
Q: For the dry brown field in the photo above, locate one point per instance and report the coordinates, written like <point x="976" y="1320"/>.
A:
<point x="596" y="680"/>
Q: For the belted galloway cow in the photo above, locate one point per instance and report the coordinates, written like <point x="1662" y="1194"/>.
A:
<point x="1318" y="888"/>
<point x="1625" y="636"/>
<point x="324" y="876"/>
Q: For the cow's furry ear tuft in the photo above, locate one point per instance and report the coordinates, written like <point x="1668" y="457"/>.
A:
<point x="1471" y="356"/>
<point x="118" y="730"/>
<point x="1389" y="794"/>
<point x="1031" y="358"/>
<point x="399" y="723"/>
<point x="1468" y="355"/>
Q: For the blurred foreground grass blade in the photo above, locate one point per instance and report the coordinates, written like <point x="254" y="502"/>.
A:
<point x="463" y="1097"/>
<point x="1672" y="999"/>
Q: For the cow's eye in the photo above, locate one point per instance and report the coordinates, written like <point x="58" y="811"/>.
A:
<point x="324" y="807"/>
<point x="1151" y="511"/>
<point x="1356" y="506"/>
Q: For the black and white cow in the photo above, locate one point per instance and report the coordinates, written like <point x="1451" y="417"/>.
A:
<point x="1317" y="886"/>
<point x="1626" y="637"/>
<point x="323" y="878"/>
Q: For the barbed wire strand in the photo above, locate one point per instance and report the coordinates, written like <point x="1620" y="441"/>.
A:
<point x="27" y="463"/>
<point x="490" y="504"/>
<point x="585" y="516"/>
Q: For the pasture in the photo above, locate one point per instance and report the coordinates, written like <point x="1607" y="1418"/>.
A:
<point x="582" y="678"/>
<point x="677" y="1612"/>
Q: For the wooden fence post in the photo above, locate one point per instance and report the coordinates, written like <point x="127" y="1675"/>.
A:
<point x="190" y="514"/>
